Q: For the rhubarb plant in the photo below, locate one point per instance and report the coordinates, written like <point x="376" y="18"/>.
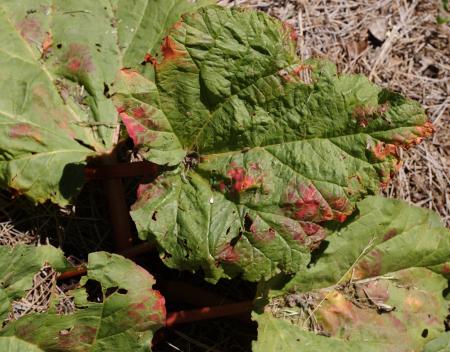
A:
<point x="268" y="170"/>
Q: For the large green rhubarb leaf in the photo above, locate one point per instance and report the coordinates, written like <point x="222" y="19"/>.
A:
<point x="58" y="61"/>
<point x="375" y="287"/>
<point x="260" y="147"/>
<point x="120" y="314"/>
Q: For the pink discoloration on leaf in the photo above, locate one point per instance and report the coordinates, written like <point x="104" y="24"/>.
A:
<point x="446" y="268"/>
<point x="160" y="304"/>
<point x="133" y="127"/>
<point x="228" y="254"/>
<point x="241" y="181"/>
<point x="262" y="235"/>
<point x="305" y="203"/>
<point x="139" y="112"/>
<point x="22" y="130"/>
<point x="31" y="30"/>
<point x="308" y="206"/>
<point x="79" y="59"/>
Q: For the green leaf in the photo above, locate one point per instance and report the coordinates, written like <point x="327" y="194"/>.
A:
<point x="13" y="344"/>
<point x="262" y="147"/>
<point x="387" y="235"/>
<point x="375" y="285"/>
<point x="122" y="317"/>
<point x="279" y="335"/>
<point x="58" y="62"/>
<point x="18" y="265"/>
<point x="440" y="344"/>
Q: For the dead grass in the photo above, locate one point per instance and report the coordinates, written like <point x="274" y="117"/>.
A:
<point x="399" y="45"/>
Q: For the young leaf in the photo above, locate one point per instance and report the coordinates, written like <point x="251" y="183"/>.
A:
<point x="121" y="316"/>
<point x="267" y="146"/>
<point x="374" y="285"/>
<point x="55" y="106"/>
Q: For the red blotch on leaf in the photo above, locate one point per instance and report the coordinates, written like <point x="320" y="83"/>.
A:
<point x="148" y="58"/>
<point x="228" y="254"/>
<point x="340" y="217"/>
<point x="79" y="59"/>
<point x="138" y="112"/>
<point x="241" y="181"/>
<point x="308" y="205"/>
<point x="133" y="127"/>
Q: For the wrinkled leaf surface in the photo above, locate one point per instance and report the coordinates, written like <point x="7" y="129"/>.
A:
<point x="260" y="147"/>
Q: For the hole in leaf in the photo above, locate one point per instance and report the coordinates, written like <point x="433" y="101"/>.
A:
<point x="59" y="46"/>
<point x="235" y="240"/>
<point x="106" y="91"/>
<point x="228" y="230"/>
<point x="122" y="291"/>
<point x="154" y="215"/>
<point x="94" y="291"/>
<point x="110" y="291"/>
<point x="425" y="333"/>
<point x="247" y="222"/>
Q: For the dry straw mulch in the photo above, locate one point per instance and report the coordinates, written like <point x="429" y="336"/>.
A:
<point x="399" y="45"/>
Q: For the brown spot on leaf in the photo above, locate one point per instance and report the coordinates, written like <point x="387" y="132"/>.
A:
<point x="426" y="130"/>
<point x="382" y="150"/>
<point x="390" y="234"/>
<point x="170" y="50"/>
<point x="370" y="266"/>
<point x="71" y="338"/>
